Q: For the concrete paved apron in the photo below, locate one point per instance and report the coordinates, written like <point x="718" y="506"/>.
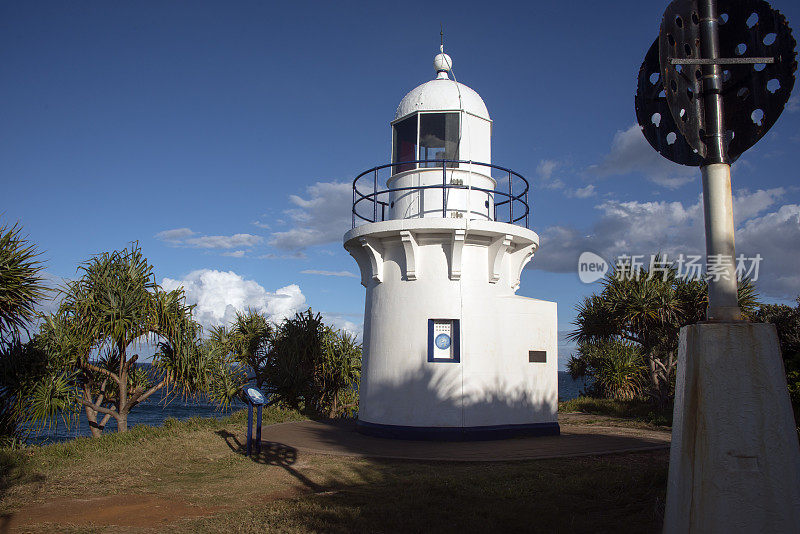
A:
<point x="340" y="438"/>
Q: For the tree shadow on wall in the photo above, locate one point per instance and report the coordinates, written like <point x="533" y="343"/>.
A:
<point x="433" y="390"/>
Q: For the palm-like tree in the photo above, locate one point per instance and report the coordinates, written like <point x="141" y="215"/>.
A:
<point x="245" y="346"/>
<point x="300" y="362"/>
<point x="115" y="304"/>
<point x="787" y="322"/>
<point x="616" y="367"/>
<point x="21" y="286"/>
<point x="314" y="366"/>
<point x="648" y="310"/>
<point x="21" y="290"/>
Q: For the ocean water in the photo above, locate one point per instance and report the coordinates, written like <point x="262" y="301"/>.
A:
<point x="569" y="388"/>
<point x="155" y="411"/>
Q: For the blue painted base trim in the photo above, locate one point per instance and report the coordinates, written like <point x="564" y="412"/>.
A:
<point x="446" y="433"/>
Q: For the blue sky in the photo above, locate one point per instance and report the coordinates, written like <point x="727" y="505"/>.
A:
<point x="223" y="137"/>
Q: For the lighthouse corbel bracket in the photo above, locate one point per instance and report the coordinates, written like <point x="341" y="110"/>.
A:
<point x="497" y="251"/>
<point x="411" y="250"/>
<point x="368" y="252"/>
<point x="722" y="91"/>
<point x="456" y="249"/>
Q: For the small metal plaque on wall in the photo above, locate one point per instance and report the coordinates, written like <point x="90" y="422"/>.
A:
<point x="537" y="356"/>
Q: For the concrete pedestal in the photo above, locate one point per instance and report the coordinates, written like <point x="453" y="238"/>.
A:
<point x="735" y="459"/>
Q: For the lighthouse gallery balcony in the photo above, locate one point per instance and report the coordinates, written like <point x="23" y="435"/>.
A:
<point x="440" y="188"/>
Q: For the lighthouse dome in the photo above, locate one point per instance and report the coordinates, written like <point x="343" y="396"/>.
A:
<point x="442" y="94"/>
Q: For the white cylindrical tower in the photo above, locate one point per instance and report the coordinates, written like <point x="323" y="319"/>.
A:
<point x="440" y="236"/>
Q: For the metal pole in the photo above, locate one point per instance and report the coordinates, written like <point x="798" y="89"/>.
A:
<point x="723" y="302"/>
<point x="375" y="195"/>
<point x="510" y="199"/>
<point x="249" y="427"/>
<point x="354" y="206"/>
<point x="712" y="83"/>
<point x="527" y="209"/>
<point x="258" y="429"/>
<point x="444" y="191"/>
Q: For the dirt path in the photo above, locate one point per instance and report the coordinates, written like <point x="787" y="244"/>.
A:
<point x="137" y="511"/>
<point x="148" y="511"/>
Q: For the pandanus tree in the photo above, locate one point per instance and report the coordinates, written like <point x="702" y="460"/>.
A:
<point x="22" y="288"/>
<point x="787" y="322"/>
<point x="245" y="345"/>
<point x="300" y="362"/>
<point x="115" y="306"/>
<point x="642" y="309"/>
<point x="314" y="366"/>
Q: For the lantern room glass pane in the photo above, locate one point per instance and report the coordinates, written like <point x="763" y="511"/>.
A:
<point x="405" y="144"/>
<point x="438" y="138"/>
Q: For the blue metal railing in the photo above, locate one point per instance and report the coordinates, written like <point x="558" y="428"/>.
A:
<point x="514" y="203"/>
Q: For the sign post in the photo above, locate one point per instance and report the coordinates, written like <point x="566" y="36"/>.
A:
<point x="253" y="397"/>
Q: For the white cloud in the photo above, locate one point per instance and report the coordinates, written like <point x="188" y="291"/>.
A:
<point x="184" y="237"/>
<point x="234" y="254"/>
<point x="322" y="217"/>
<point x="224" y="241"/>
<point x="544" y="172"/>
<point x="675" y="228"/>
<point x="747" y="205"/>
<point x="793" y="105"/>
<point x="631" y="153"/>
<point x="776" y="237"/>
<point x="330" y="273"/>
<point x="341" y="322"/>
<point x="299" y="255"/>
<point x="260" y="224"/>
<point x="583" y="192"/>
<point x="175" y="235"/>
<point x="545" y="168"/>
<point x="218" y="295"/>
<point x="554" y="184"/>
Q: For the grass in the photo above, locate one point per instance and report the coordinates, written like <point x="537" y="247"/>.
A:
<point x="636" y="411"/>
<point x="197" y="463"/>
<point x="589" y="494"/>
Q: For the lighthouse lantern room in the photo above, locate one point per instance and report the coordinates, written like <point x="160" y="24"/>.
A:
<point x="441" y="236"/>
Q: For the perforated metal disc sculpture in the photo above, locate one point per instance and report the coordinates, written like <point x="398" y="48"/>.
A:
<point x="757" y="59"/>
<point x="714" y="82"/>
<point x="655" y="117"/>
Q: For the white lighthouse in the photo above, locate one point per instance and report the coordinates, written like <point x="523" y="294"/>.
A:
<point x="440" y="236"/>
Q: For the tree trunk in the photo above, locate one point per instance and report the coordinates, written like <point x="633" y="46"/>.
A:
<point x="657" y="383"/>
<point x="122" y="422"/>
<point x="122" y="407"/>
<point x="94" y="427"/>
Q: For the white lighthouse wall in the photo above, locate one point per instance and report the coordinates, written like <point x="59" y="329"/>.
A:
<point x="499" y="378"/>
<point x="418" y="203"/>
<point x="402" y="388"/>
<point x="494" y="383"/>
